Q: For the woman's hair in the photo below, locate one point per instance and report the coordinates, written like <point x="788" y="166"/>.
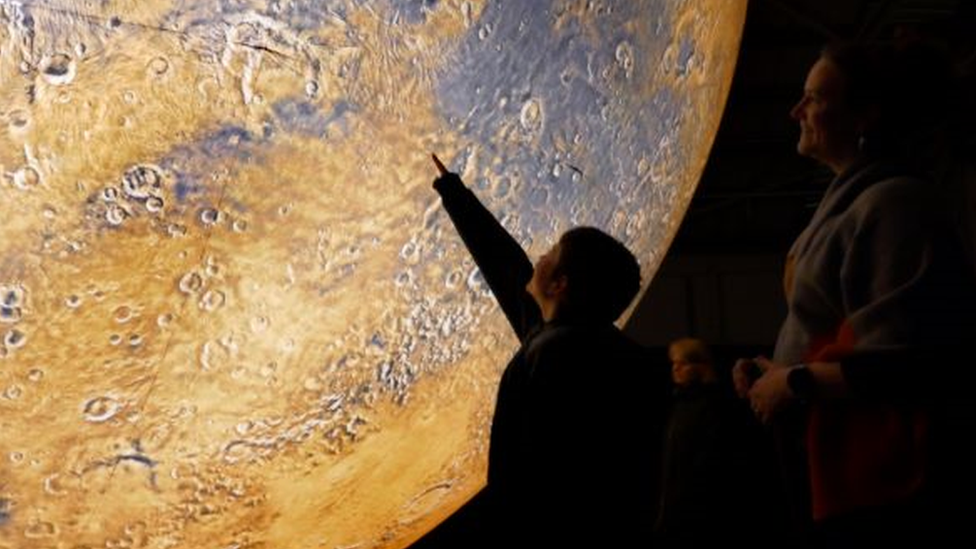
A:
<point x="691" y="350"/>
<point x="902" y="91"/>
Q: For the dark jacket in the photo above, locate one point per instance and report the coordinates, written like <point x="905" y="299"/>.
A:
<point x="718" y="474"/>
<point x="575" y="439"/>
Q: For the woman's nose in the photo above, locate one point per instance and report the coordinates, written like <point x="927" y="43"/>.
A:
<point x="797" y="111"/>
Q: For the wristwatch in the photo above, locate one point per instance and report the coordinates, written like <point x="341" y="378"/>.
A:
<point x="801" y="383"/>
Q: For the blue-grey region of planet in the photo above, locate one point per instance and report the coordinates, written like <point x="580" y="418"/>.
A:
<point x="233" y="313"/>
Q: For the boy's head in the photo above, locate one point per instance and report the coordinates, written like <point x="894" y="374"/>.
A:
<point x="588" y="274"/>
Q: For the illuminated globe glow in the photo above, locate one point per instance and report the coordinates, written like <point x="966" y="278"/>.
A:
<point x="233" y="313"/>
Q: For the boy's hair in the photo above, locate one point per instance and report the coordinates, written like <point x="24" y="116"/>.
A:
<point x="603" y="275"/>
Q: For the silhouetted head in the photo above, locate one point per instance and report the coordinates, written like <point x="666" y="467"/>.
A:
<point x="587" y="275"/>
<point x="691" y="362"/>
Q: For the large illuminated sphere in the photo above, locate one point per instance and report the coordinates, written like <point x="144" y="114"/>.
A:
<point x="234" y="314"/>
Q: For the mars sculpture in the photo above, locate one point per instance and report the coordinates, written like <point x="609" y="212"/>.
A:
<point x="232" y="312"/>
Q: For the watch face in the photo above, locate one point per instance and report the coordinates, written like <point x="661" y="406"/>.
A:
<point x="800" y="380"/>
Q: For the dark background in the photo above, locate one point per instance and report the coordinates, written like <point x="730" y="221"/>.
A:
<point x="721" y="279"/>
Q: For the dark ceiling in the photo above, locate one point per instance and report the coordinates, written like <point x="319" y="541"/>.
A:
<point x="756" y="193"/>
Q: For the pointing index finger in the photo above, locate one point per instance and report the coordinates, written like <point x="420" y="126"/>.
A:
<point x="440" y="165"/>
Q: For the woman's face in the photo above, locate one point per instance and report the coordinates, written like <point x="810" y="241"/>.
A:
<point x="829" y="130"/>
<point x="682" y="371"/>
<point x="685" y="372"/>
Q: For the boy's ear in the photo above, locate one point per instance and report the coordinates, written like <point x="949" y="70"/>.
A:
<point x="559" y="286"/>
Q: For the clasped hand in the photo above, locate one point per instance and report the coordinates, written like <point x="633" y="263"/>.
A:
<point x="767" y="389"/>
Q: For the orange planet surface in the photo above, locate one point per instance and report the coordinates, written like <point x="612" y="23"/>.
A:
<point x="233" y="314"/>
